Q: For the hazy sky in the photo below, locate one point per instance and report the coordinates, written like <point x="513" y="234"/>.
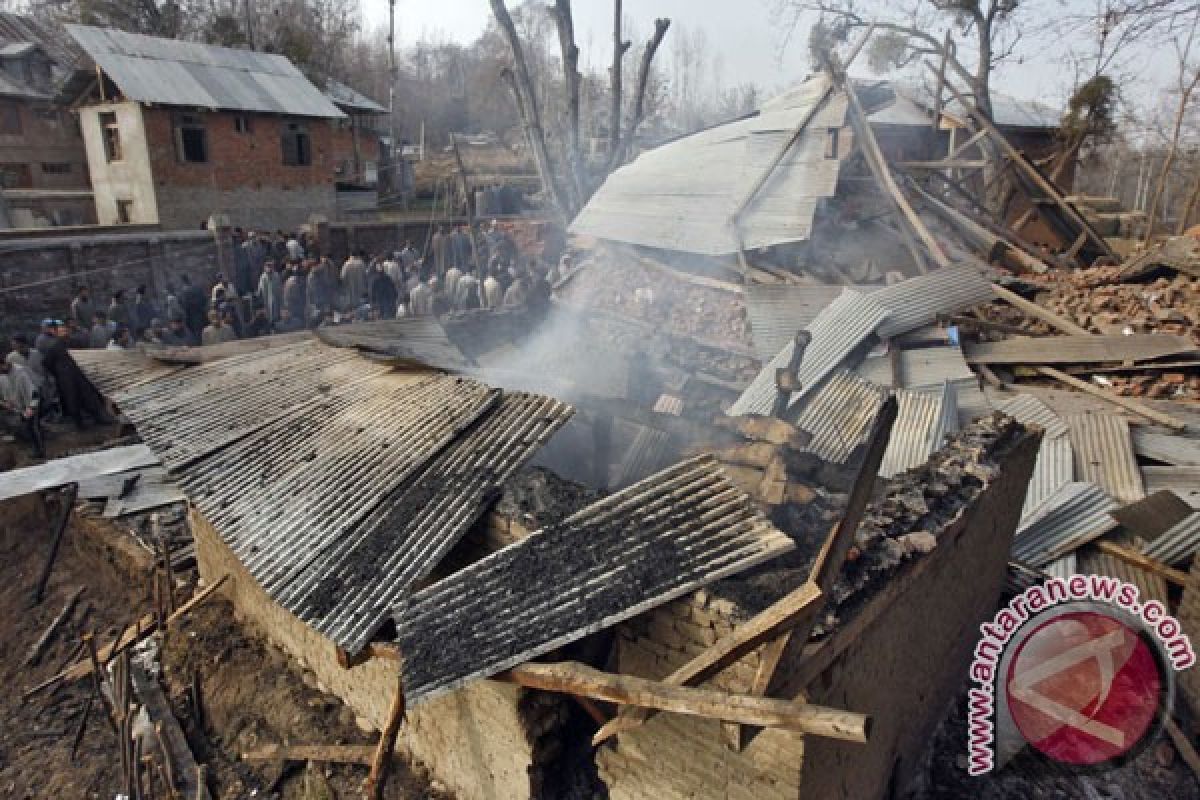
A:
<point x="746" y="37"/>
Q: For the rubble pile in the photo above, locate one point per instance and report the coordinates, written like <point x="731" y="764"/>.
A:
<point x="623" y="284"/>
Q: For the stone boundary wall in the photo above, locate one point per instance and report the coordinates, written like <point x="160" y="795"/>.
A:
<point x="39" y="276"/>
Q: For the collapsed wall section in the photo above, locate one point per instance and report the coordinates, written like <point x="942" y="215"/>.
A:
<point x="899" y="656"/>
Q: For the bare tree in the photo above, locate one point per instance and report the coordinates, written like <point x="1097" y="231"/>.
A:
<point x="912" y="28"/>
<point x="1187" y="78"/>
<point x="569" y="188"/>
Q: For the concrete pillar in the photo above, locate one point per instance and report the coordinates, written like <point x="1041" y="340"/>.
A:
<point x="222" y="232"/>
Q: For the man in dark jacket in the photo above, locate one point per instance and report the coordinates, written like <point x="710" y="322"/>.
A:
<point x="195" y="305"/>
<point x="382" y="293"/>
<point x="76" y="393"/>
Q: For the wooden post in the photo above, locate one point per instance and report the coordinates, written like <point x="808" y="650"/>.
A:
<point x="377" y="777"/>
<point x="879" y="167"/>
<point x="1124" y="402"/>
<point x="68" y="500"/>
<point x="1038" y="312"/>
<point x="795" y="611"/>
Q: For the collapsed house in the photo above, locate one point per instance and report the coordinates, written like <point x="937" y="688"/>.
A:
<point x="768" y="493"/>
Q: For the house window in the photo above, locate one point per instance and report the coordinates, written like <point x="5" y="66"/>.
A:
<point x="191" y="139"/>
<point x="124" y="212"/>
<point x="10" y="118"/>
<point x="241" y="124"/>
<point x="831" y="144"/>
<point x="15" y="176"/>
<point x="111" y="134"/>
<point x="297" y="148"/>
<point x="56" y="168"/>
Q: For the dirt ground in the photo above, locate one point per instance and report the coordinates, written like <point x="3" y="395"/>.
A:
<point x="251" y="694"/>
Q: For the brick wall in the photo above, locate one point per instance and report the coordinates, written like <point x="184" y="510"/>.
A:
<point x="244" y="176"/>
<point x="50" y="270"/>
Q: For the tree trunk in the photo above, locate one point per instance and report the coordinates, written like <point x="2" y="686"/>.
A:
<point x="1193" y="197"/>
<point x="1169" y="160"/>
<point x="615" y="93"/>
<point x="564" y="22"/>
<point x="527" y="106"/>
<point x="639" y="99"/>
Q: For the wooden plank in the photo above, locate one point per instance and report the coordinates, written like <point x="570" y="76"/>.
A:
<point x="1140" y="409"/>
<point x="1133" y="557"/>
<point x="878" y="164"/>
<point x="382" y="757"/>
<point x="798" y="609"/>
<point x="177" y="752"/>
<point x="949" y="163"/>
<point x="769" y="656"/>
<point x="74" y="469"/>
<point x="1168" y="448"/>
<point x="39" y="647"/>
<point x="1078" y="349"/>
<point x="1038" y="312"/>
<point x="575" y="678"/>
<point x="1153" y="516"/>
<point x="324" y="753"/>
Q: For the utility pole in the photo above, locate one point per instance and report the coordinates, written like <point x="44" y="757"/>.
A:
<point x="249" y="24"/>
<point x="393" y="162"/>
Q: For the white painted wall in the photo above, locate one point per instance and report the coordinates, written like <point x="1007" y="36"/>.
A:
<point x="131" y="178"/>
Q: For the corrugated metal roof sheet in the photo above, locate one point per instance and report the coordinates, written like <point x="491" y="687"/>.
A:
<point x="1150" y="586"/>
<point x="1089" y="349"/>
<point x="1178" y="544"/>
<point x="682" y="195"/>
<point x="777" y="312"/>
<point x="1054" y="468"/>
<point x="1063" y="567"/>
<point x="112" y="371"/>
<point x="932" y="366"/>
<point x="836" y="332"/>
<point x="1183" y="481"/>
<point x="922" y="421"/>
<point x="646" y="454"/>
<point x="632" y="551"/>
<point x="171" y="72"/>
<point x="420" y="340"/>
<point x="839" y="415"/>
<point x="350" y="587"/>
<point x="336" y="480"/>
<point x="919" y="301"/>
<point x="1028" y="410"/>
<point x="1169" y="448"/>
<point x="1055" y="465"/>
<point x="350" y="98"/>
<point x="1104" y="455"/>
<point x="1075" y="514"/>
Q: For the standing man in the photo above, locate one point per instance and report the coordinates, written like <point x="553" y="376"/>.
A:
<point x="77" y="395"/>
<point x="101" y="331"/>
<point x="453" y="276"/>
<point x="493" y="293"/>
<point x="82" y="309"/>
<point x="20" y="401"/>
<point x="270" y="291"/>
<point x="195" y="304"/>
<point x="354" y="281"/>
<point x="421" y="300"/>
<point x="294" y="299"/>
<point x="382" y="293"/>
<point x="437" y="245"/>
<point x="118" y="311"/>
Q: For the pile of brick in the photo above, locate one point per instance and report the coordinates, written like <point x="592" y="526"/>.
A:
<point x="1097" y="300"/>
<point x="618" y="283"/>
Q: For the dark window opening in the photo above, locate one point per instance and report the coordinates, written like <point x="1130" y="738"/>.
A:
<point x="831" y="144"/>
<point x="241" y="124"/>
<point x="191" y="139"/>
<point x="56" y="168"/>
<point x="15" y="176"/>
<point x="10" y="118"/>
<point x="111" y="134"/>
<point x="297" y="147"/>
<point x="124" y="212"/>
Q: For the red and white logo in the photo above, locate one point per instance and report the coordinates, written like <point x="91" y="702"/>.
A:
<point x="1085" y="688"/>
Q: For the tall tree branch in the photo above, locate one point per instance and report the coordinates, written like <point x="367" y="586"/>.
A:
<point x="565" y="24"/>
<point x="614" y="119"/>
<point x="639" y="99"/>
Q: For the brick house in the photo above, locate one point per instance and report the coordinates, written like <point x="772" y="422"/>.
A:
<point x="356" y="140"/>
<point x="176" y="131"/>
<point x="43" y="169"/>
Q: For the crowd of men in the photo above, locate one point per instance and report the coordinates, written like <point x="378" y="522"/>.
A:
<point x="279" y="284"/>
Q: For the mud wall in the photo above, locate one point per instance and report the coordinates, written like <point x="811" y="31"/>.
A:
<point x="484" y="741"/>
<point x="900" y="658"/>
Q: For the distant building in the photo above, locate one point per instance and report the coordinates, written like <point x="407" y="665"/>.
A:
<point x="43" y="168"/>
<point x="176" y="131"/>
<point x="357" y="138"/>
